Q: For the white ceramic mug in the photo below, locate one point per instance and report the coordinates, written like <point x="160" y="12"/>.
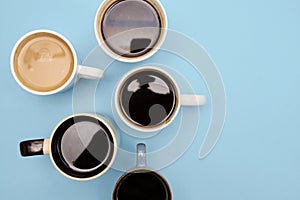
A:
<point x="44" y="62"/>
<point x="81" y="147"/>
<point x="148" y="99"/>
<point x="131" y="30"/>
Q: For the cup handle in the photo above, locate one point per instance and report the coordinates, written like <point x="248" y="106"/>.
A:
<point x="141" y="155"/>
<point x="89" y="72"/>
<point x="34" y="147"/>
<point x="192" y="100"/>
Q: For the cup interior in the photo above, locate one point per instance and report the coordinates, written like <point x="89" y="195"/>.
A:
<point x="83" y="146"/>
<point x="130" y="30"/>
<point x="43" y="61"/>
<point x="147" y="98"/>
<point x="142" y="184"/>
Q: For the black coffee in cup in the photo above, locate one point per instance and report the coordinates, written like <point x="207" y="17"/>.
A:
<point x="130" y="30"/>
<point x="142" y="185"/>
<point x="148" y="98"/>
<point x="122" y="27"/>
<point x="83" y="146"/>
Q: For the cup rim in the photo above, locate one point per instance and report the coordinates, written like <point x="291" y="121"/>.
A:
<point x="141" y="169"/>
<point x="112" y="132"/>
<point x="98" y="21"/>
<point x="141" y="128"/>
<point x="62" y="87"/>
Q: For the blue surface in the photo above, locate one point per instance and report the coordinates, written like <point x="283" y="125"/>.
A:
<point x="255" y="45"/>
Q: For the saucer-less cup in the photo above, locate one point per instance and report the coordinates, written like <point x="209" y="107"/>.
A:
<point x="81" y="147"/>
<point x="44" y="62"/>
<point x="130" y="30"/>
<point x="142" y="183"/>
<point x="148" y="99"/>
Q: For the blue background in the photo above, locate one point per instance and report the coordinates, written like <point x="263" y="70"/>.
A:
<point x="256" y="46"/>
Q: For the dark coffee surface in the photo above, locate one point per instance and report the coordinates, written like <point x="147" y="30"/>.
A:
<point x="142" y="185"/>
<point x="123" y="27"/>
<point x="82" y="146"/>
<point x="148" y="98"/>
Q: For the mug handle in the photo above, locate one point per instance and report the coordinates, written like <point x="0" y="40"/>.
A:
<point x="141" y="160"/>
<point x="192" y="100"/>
<point x="34" y="147"/>
<point x="89" y="72"/>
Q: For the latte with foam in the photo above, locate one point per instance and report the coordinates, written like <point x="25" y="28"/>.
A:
<point x="43" y="62"/>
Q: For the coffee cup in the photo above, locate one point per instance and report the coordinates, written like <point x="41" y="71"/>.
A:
<point x="131" y="30"/>
<point x="142" y="182"/>
<point x="148" y="99"/>
<point x="44" y="62"/>
<point x="81" y="147"/>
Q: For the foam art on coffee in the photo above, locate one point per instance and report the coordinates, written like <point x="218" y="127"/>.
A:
<point x="43" y="62"/>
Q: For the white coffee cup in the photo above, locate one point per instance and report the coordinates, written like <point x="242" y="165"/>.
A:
<point x="40" y="49"/>
<point x="131" y="30"/>
<point x="82" y="146"/>
<point x="148" y="99"/>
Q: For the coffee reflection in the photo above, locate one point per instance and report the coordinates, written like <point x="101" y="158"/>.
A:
<point x="85" y="146"/>
<point x="122" y="27"/>
<point x="147" y="98"/>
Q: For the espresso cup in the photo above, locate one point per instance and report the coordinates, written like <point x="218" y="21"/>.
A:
<point x="44" y="62"/>
<point x="142" y="183"/>
<point x="130" y="30"/>
<point x="81" y="147"/>
<point x="148" y="99"/>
